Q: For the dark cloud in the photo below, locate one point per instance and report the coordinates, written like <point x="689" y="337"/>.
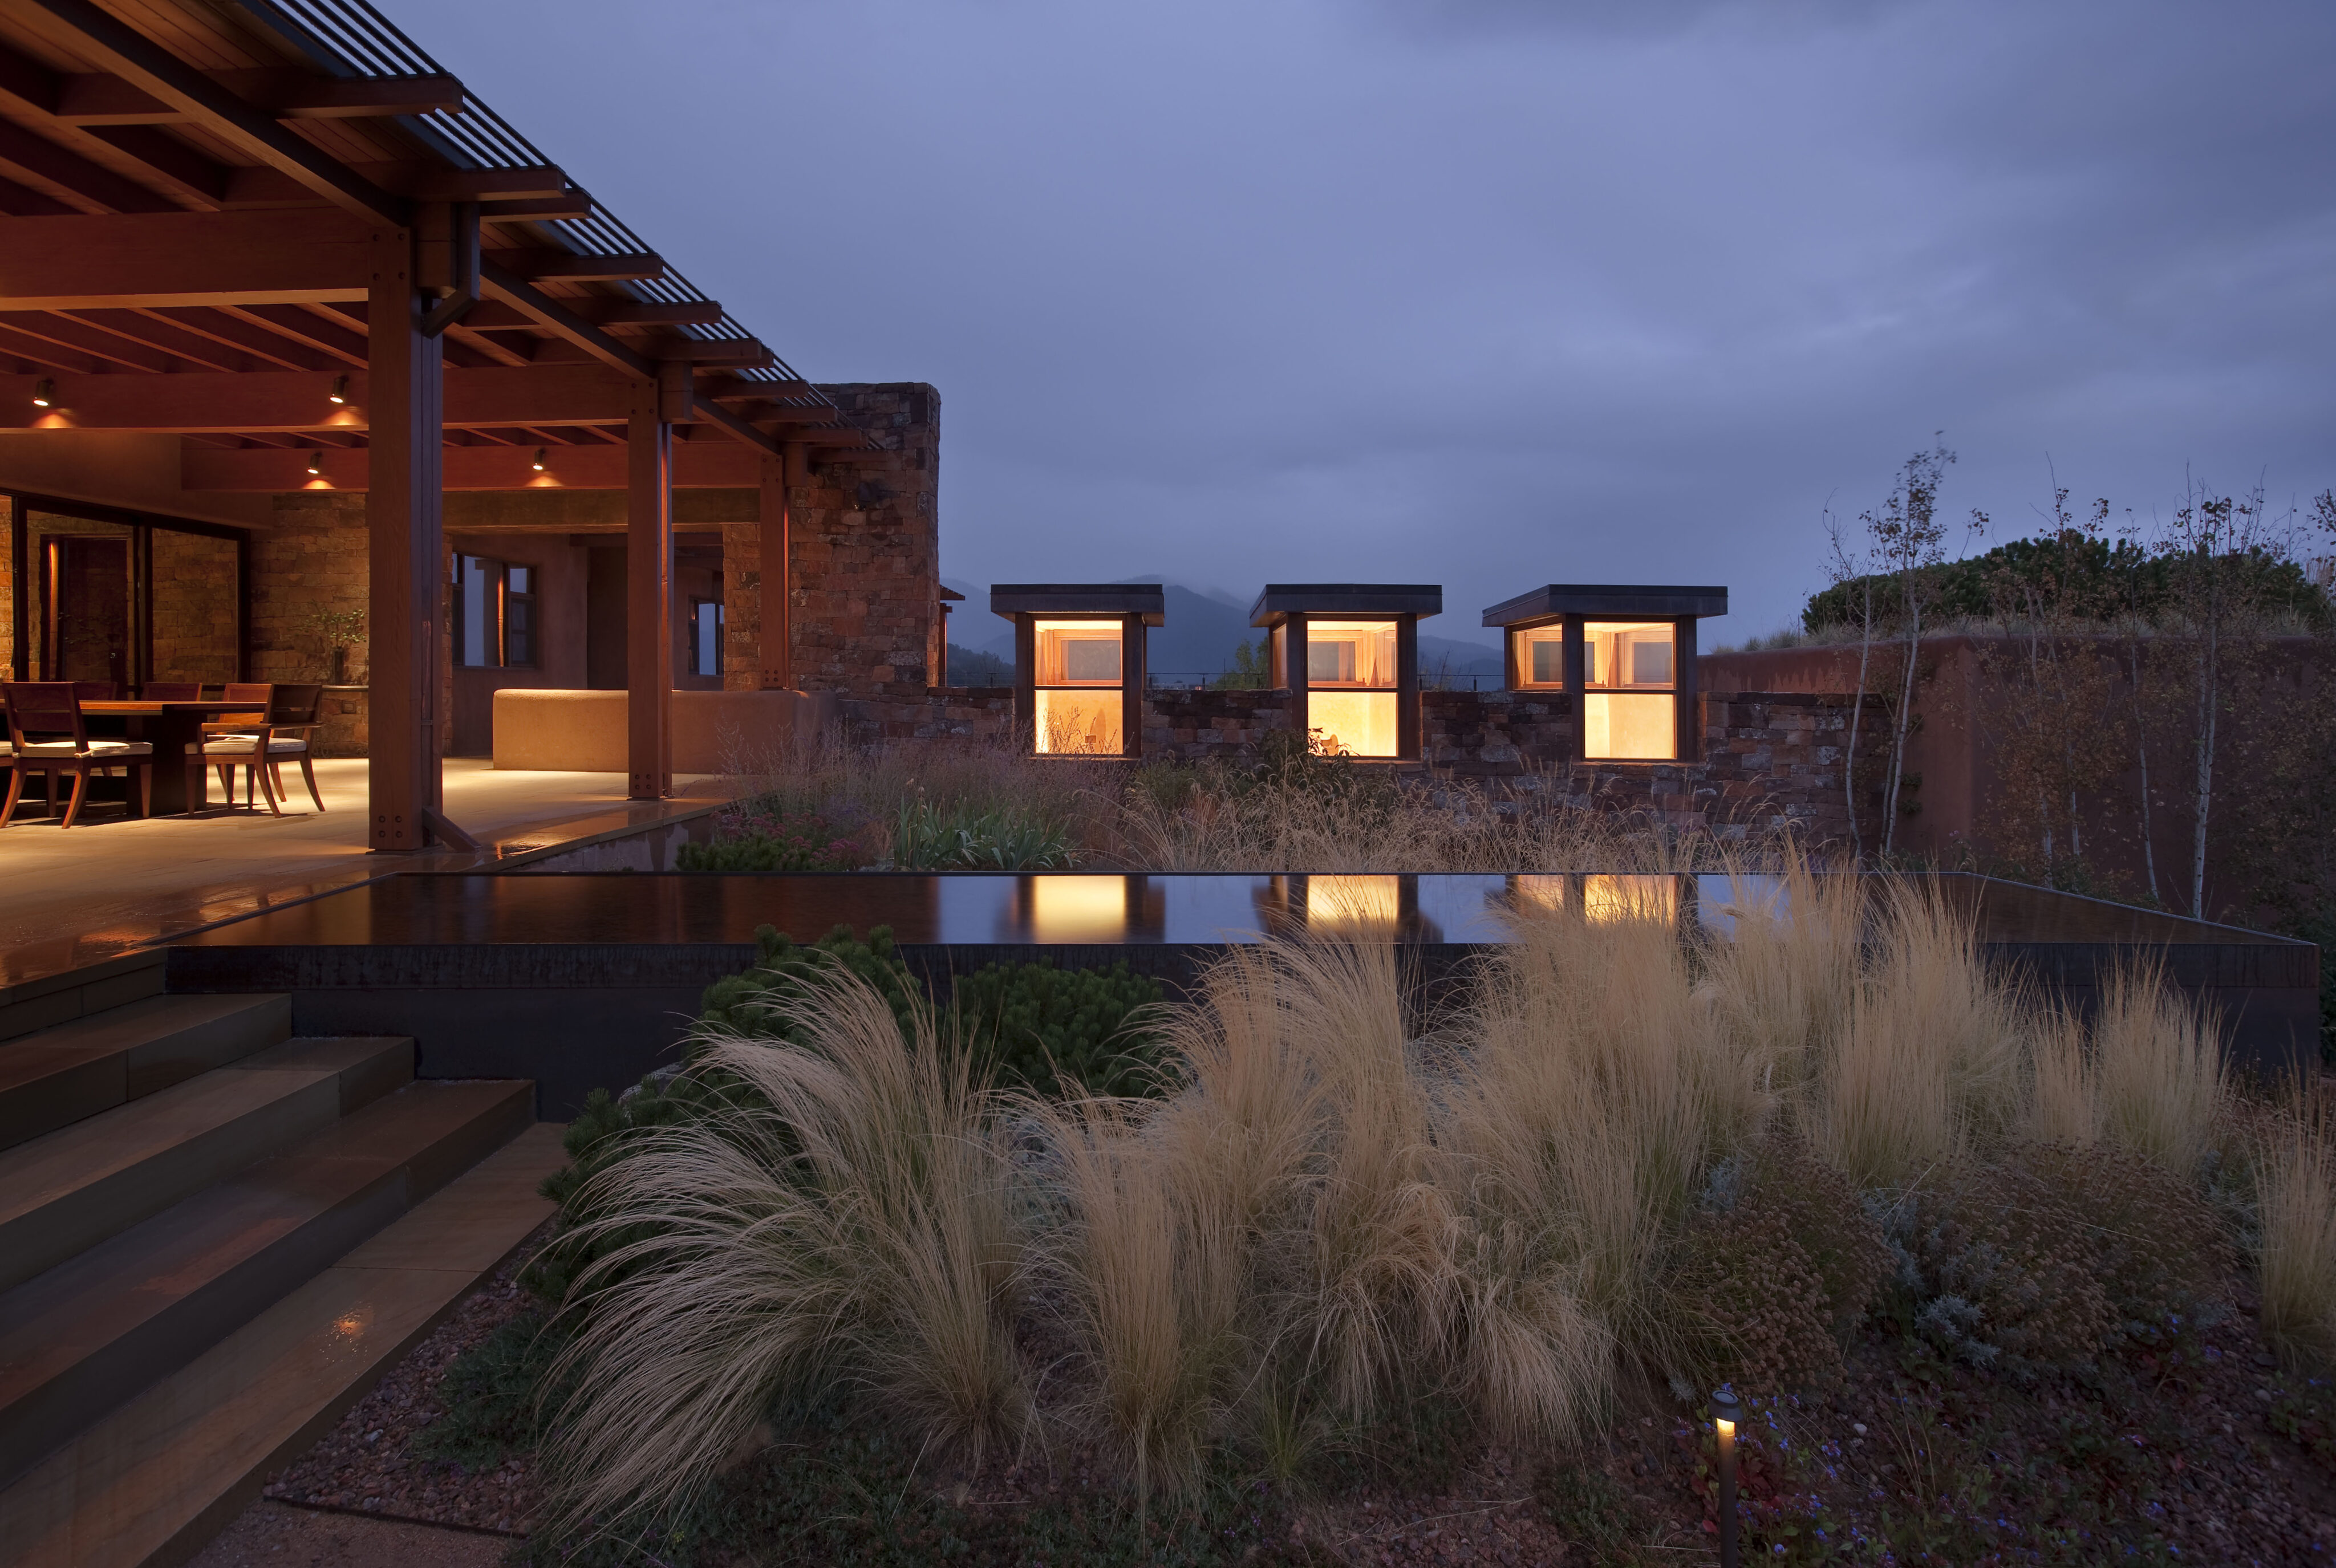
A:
<point x="1486" y="293"/>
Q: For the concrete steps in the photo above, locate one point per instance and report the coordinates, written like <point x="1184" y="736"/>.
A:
<point x="61" y="1074"/>
<point x="212" y="1239"/>
<point x="66" y="1191"/>
<point x="95" y="1329"/>
<point x="152" y="1482"/>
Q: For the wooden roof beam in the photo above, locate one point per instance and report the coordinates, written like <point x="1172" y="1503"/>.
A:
<point x="254" y="186"/>
<point x="553" y="266"/>
<point x="134" y="260"/>
<point x="123" y="51"/>
<point x="91" y="186"/>
<point x="246" y="403"/>
<point x="96" y="99"/>
<point x="560" y="316"/>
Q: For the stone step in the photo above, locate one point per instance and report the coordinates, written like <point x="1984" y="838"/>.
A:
<point x="152" y="1482"/>
<point x="95" y="1329"/>
<point x="58" y="1076"/>
<point x="66" y="1191"/>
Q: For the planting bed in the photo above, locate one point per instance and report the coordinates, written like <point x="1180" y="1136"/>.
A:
<point x="2208" y="1459"/>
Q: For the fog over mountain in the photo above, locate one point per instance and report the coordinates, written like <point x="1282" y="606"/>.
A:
<point x="1489" y="293"/>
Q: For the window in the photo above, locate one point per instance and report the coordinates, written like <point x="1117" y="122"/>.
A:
<point x="706" y="619"/>
<point x="1077" y="675"/>
<point x="494" y="614"/>
<point x="1350" y="684"/>
<point x="1541" y="656"/>
<point x="1629" y="705"/>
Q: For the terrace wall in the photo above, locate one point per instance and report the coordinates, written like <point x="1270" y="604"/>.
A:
<point x="1770" y="759"/>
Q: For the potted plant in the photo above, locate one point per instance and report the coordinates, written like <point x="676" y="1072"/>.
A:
<point x="338" y="630"/>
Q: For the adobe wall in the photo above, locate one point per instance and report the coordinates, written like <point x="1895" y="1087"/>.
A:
<point x="1770" y="759"/>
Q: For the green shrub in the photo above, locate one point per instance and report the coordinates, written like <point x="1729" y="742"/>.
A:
<point x="749" y="1002"/>
<point x="961" y="837"/>
<point x="1033" y="1026"/>
<point x="1781" y="1261"/>
<point x="492" y="1397"/>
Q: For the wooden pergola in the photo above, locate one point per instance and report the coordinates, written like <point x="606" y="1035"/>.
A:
<point x="278" y="229"/>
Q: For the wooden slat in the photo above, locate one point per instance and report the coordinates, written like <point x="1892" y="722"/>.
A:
<point x="106" y="346"/>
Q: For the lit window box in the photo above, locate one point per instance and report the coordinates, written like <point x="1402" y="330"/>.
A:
<point x="1078" y="662"/>
<point x="1626" y="654"/>
<point x="1348" y="655"/>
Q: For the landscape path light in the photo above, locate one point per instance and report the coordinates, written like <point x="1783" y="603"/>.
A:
<point x="1724" y="1412"/>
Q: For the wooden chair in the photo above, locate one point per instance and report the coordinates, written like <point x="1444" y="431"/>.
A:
<point x="238" y="724"/>
<point x="46" y="735"/>
<point x="171" y="691"/>
<point x="281" y="736"/>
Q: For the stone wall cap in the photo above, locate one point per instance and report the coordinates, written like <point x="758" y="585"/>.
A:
<point x="1669" y="601"/>
<point x="1281" y="600"/>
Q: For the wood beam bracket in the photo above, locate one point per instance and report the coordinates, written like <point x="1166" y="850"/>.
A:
<point x="449" y="262"/>
<point x="448" y="833"/>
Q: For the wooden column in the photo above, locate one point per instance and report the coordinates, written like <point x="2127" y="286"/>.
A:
<point x="1131" y="679"/>
<point x="405" y="550"/>
<point x="1294" y="671"/>
<point x="1576" y="679"/>
<point x="649" y="596"/>
<point x="1691" y="720"/>
<point x="1026" y="679"/>
<point x="775" y="649"/>
<point x="1406" y="688"/>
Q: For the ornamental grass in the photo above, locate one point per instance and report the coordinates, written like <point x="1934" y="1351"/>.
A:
<point x="1625" y="1144"/>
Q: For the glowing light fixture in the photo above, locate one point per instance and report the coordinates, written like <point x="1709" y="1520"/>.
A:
<point x="1725" y="1411"/>
<point x="315" y="462"/>
<point x="45" y="393"/>
<point x="538" y="463"/>
<point x="340" y="393"/>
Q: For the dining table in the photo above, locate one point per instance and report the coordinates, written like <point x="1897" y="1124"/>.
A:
<point x="173" y="729"/>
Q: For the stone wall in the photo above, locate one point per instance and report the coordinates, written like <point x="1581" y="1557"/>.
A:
<point x="865" y="545"/>
<point x="194" y="607"/>
<point x="314" y="558"/>
<point x="1770" y="759"/>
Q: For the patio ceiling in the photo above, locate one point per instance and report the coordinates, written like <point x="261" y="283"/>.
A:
<point x="200" y="188"/>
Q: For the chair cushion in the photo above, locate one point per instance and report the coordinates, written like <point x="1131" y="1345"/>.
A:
<point x="65" y="748"/>
<point x="242" y="745"/>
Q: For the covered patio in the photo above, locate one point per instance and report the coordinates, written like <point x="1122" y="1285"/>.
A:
<point x="279" y="291"/>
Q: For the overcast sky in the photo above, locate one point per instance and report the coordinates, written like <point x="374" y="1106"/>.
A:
<point x="1489" y="293"/>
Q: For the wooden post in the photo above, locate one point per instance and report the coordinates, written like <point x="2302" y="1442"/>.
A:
<point x="649" y="596"/>
<point x="1407" y="714"/>
<point x="1690" y="726"/>
<point x="1576" y="686"/>
<point x="775" y="642"/>
<point x="405" y="545"/>
<point x="1295" y="668"/>
<point x="1026" y="679"/>
<point x="1131" y="678"/>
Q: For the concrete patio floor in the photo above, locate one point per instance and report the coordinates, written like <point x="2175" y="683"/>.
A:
<point x="74" y="897"/>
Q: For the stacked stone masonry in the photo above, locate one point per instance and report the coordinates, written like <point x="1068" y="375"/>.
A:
<point x="1770" y="759"/>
